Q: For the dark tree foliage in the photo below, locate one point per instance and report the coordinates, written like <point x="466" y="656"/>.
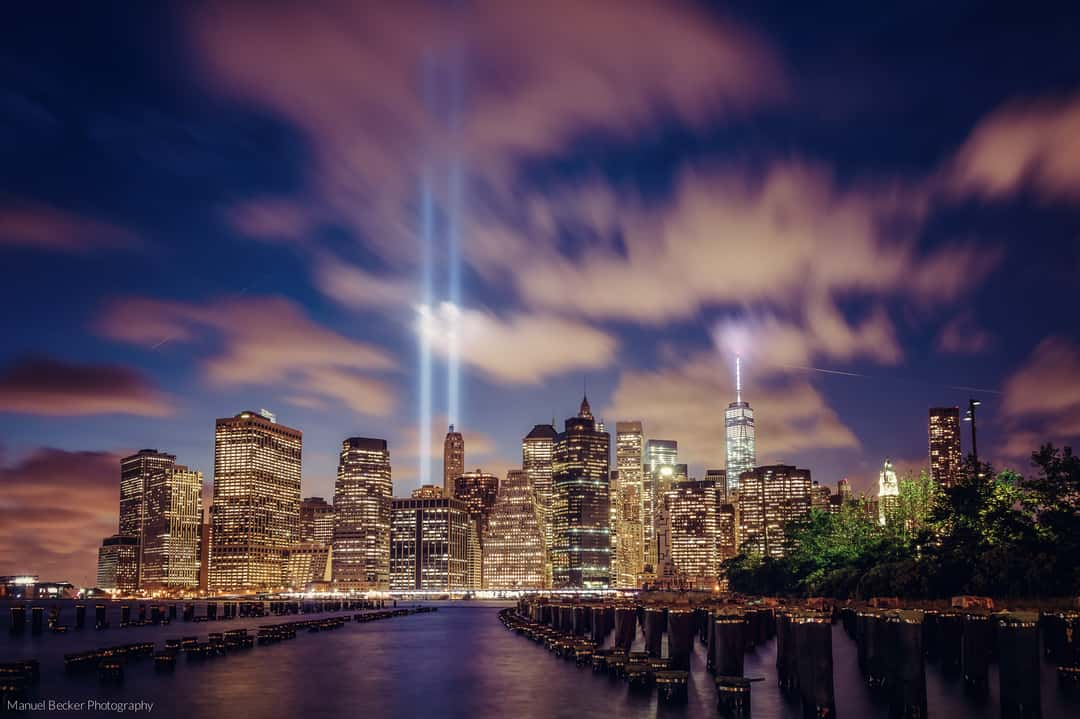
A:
<point x="996" y="534"/>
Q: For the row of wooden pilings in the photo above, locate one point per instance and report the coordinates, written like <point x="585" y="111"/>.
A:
<point x="152" y="614"/>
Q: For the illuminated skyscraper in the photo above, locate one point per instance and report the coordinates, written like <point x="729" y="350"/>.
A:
<point x="691" y="510"/>
<point x="769" y="498"/>
<point x="719" y="478"/>
<point x="362" y="498"/>
<point x="581" y="553"/>
<point x="171" y="530"/>
<point x="478" y="490"/>
<point x="255" y="517"/>
<point x="307" y="562"/>
<point x="316" y="521"/>
<point x="513" y="547"/>
<point x="739" y="430"/>
<point x="629" y="508"/>
<point x="888" y="493"/>
<point x="429" y="545"/>
<point x="537" y="452"/>
<point x="453" y="460"/>
<point x="118" y="564"/>
<point x="135" y="472"/>
<point x="660" y="458"/>
<point x="727" y="543"/>
<point x="945" y="454"/>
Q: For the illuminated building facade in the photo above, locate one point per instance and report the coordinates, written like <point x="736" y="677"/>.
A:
<point x="769" y="498"/>
<point x="478" y="490"/>
<point x="888" y="499"/>
<point x="843" y="488"/>
<point x="135" y="471"/>
<point x="581" y="552"/>
<point x="945" y="457"/>
<point x="513" y="548"/>
<point x="362" y="504"/>
<point x="660" y="458"/>
<point x="171" y="530"/>
<point x="727" y="541"/>
<point x="453" y="460"/>
<point x="739" y="432"/>
<point x="307" y="562"/>
<point x="316" y="521"/>
<point x="629" y="507"/>
<point x="427" y="491"/>
<point x="118" y="564"/>
<point x="719" y="480"/>
<point x="691" y="514"/>
<point x="256" y="512"/>
<point x="537" y="454"/>
<point x="429" y="545"/>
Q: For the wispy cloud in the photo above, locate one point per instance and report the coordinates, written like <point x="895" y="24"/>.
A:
<point x="46" y="386"/>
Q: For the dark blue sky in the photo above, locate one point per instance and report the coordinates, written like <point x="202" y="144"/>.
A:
<point x="207" y="208"/>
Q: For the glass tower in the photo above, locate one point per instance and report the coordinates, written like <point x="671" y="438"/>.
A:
<point x="739" y="431"/>
<point x="629" y="508"/>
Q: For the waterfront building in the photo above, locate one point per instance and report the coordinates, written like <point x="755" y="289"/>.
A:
<point x="453" y="460"/>
<point x="769" y="498"/>
<point x="429" y="541"/>
<point x="316" y="521"/>
<point x="629" y="503"/>
<point x="537" y="453"/>
<point x="581" y="553"/>
<point x="692" y="515"/>
<point x="255" y="516"/>
<point x="172" y="526"/>
<point x="739" y="432"/>
<point x="478" y="490"/>
<point x="307" y="563"/>
<point x="513" y="548"/>
<point x="135" y="471"/>
<point x="118" y="564"/>
<point x="945" y="456"/>
<point x="362" y="506"/>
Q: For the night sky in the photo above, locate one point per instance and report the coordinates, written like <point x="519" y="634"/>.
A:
<point x="207" y="208"/>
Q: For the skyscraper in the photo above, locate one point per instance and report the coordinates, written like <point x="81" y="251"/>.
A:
<point x="135" y="472"/>
<point x="719" y="478"/>
<point x="629" y="508"/>
<point x="537" y="452"/>
<point x="945" y="456"/>
<point x="118" y="564"/>
<point x="429" y="545"/>
<point x="739" y="431"/>
<point x="513" y="548"/>
<point x="661" y="456"/>
<point x="478" y="490"/>
<point x="581" y="553"/>
<point x="256" y="512"/>
<point x="769" y="498"/>
<point x="316" y="520"/>
<point x="888" y="493"/>
<point x="362" y="504"/>
<point x="727" y="544"/>
<point x="453" y="460"/>
<point x="691" y="510"/>
<point x="171" y="530"/>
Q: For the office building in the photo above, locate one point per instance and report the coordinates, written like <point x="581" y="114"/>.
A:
<point x="628" y="504"/>
<point x="537" y="452"/>
<point x="692" y="515"/>
<point x="581" y="552"/>
<point x="769" y="498"/>
<point x="255" y="517"/>
<point x="719" y="479"/>
<point x="135" y="472"/>
<point x="118" y="564"/>
<point x="888" y="497"/>
<point x="172" y="526"/>
<point x="661" y="455"/>
<point x="427" y="491"/>
<point x="739" y="432"/>
<point x="453" y="459"/>
<point x="945" y="457"/>
<point x="362" y="505"/>
<point x="307" y="563"/>
<point x="429" y="541"/>
<point x="727" y="541"/>
<point x="513" y="548"/>
<point x="316" y="521"/>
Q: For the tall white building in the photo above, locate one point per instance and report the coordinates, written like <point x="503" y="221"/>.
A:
<point x="739" y="431"/>
<point x="661" y="456"/>
<point x="888" y="492"/>
<point x="629" y="507"/>
<point x="537" y="453"/>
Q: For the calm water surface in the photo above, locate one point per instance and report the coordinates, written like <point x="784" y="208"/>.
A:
<point x="457" y="663"/>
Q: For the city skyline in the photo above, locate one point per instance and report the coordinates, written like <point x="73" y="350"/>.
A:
<point x="192" y="225"/>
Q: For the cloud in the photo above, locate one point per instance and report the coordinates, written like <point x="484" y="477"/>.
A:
<point x="263" y="341"/>
<point x="50" y="489"/>
<point x="480" y="452"/>
<point x="272" y="219"/>
<point x="686" y="401"/>
<point x="42" y="227"/>
<point x="519" y="348"/>
<point x="961" y="335"/>
<point x="44" y="386"/>
<point x="372" y="85"/>
<point x="1041" y="401"/>
<point x="1025" y="145"/>
<point x="357" y="288"/>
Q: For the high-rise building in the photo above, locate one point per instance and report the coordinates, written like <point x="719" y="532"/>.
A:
<point x="727" y="542"/>
<point x="255" y="517"/>
<point x="739" y="432"/>
<point x="581" y="552"/>
<point x="629" y="507"/>
<point x="661" y="455"/>
<point x="820" y="496"/>
<point x="719" y="480"/>
<point x="769" y="498"/>
<point x="362" y="505"/>
<point x="135" y="472"/>
<point x="537" y="452"/>
<point x="316" y="520"/>
<point x="171" y="529"/>
<point x="453" y="460"/>
<point x="429" y="545"/>
<point x="478" y="490"/>
<point x="661" y="452"/>
<point x="513" y="548"/>
<point x="843" y="488"/>
<point x="118" y="564"/>
<point x="888" y="493"/>
<point x="691" y="510"/>
<point x="945" y="457"/>
<point x="305" y="563"/>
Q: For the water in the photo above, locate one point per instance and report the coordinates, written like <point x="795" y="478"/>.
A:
<point x="457" y="663"/>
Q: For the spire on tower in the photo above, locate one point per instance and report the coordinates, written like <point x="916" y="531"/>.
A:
<point x="738" y="379"/>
